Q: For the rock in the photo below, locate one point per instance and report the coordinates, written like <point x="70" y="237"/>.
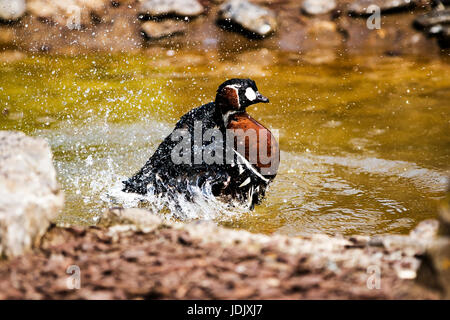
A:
<point x="359" y="7"/>
<point x="12" y="9"/>
<point x="6" y="36"/>
<point x="433" y="18"/>
<point x="314" y="7"/>
<point x="444" y="215"/>
<point x="182" y="8"/>
<point x="434" y="271"/>
<point x="416" y="242"/>
<point x="252" y="18"/>
<point x="11" y="56"/>
<point x="72" y="13"/>
<point x="178" y="261"/>
<point x="30" y="197"/>
<point x="440" y="30"/>
<point x="166" y="28"/>
<point x="143" y="220"/>
<point x="436" y="23"/>
<point x="426" y="230"/>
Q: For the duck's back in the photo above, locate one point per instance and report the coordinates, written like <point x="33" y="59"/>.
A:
<point x="160" y="169"/>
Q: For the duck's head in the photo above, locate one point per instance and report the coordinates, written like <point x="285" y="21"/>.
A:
<point x="235" y="95"/>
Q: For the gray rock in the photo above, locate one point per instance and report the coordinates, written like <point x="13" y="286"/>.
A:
<point x="434" y="270"/>
<point x="12" y="9"/>
<point x="436" y="23"/>
<point x="433" y="18"/>
<point x="359" y="7"/>
<point x="166" y="28"/>
<point x="183" y="8"/>
<point x="314" y="7"/>
<point x="73" y="14"/>
<point x="444" y="212"/>
<point x="29" y="193"/>
<point x="255" y="19"/>
<point x="416" y="242"/>
<point x="121" y="219"/>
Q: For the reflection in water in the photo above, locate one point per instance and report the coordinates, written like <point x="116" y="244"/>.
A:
<point x="365" y="146"/>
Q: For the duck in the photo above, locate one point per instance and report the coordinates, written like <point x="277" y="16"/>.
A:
<point x="243" y="155"/>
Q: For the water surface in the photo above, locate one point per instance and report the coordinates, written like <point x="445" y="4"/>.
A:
<point x="365" y="141"/>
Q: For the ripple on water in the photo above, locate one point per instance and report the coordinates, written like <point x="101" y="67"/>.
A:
<point x="312" y="193"/>
<point x="347" y="194"/>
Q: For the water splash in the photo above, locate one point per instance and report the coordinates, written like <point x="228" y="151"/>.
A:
<point x="202" y="205"/>
<point x="95" y="157"/>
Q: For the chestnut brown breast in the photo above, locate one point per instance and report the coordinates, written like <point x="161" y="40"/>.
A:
<point x="254" y="132"/>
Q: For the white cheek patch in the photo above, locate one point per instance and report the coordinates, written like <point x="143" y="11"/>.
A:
<point x="250" y="94"/>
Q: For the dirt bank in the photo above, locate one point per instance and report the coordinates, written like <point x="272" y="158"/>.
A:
<point x="158" y="260"/>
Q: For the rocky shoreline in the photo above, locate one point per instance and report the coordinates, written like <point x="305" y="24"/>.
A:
<point x="322" y="28"/>
<point x="134" y="254"/>
<point x="152" y="259"/>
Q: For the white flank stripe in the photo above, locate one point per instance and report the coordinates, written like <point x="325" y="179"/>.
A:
<point x="246" y="182"/>
<point x="249" y="166"/>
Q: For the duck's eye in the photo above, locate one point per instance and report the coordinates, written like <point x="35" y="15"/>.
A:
<point x="250" y="94"/>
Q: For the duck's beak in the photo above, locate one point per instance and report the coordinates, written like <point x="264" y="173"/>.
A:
<point x="261" y="98"/>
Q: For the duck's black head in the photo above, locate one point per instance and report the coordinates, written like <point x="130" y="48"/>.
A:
<point x="237" y="94"/>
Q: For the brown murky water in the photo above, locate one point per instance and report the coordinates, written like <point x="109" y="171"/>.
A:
<point x="365" y="142"/>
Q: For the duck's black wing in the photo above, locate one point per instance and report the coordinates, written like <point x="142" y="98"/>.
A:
<point x="162" y="173"/>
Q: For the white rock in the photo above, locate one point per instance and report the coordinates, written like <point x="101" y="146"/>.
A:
<point x="253" y="18"/>
<point x="187" y="8"/>
<point x="314" y="7"/>
<point x="29" y="193"/>
<point x="71" y="13"/>
<point x="141" y="218"/>
<point x="12" y="9"/>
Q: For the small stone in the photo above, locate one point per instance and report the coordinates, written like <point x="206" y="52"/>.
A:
<point x="444" y="213"/>
<point x="144" y="220"/>
<point x="315" y="7"/>
<point x="435" y="17"/>
<point x="73" y="14"/>
<point x="426" y="230"/>
<point x="359" y="7"/>
<point x="185" y="239"/>
<point x="434" y="271"/>
<point x="11" y="56"/>
<point x="167" y="28"/>
<point x="255" y="19"/>
<point x="11" y="10"/>
<point x="132" y="254"/>
<point x="6" y="36"/>
<point x="436" y="23"/>
<point x="182" y="8"/>
<point x="359" y="241"/>
<point x="30" y="197"/>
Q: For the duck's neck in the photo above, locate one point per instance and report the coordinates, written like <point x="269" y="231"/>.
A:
<point x="224" y="112"/>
